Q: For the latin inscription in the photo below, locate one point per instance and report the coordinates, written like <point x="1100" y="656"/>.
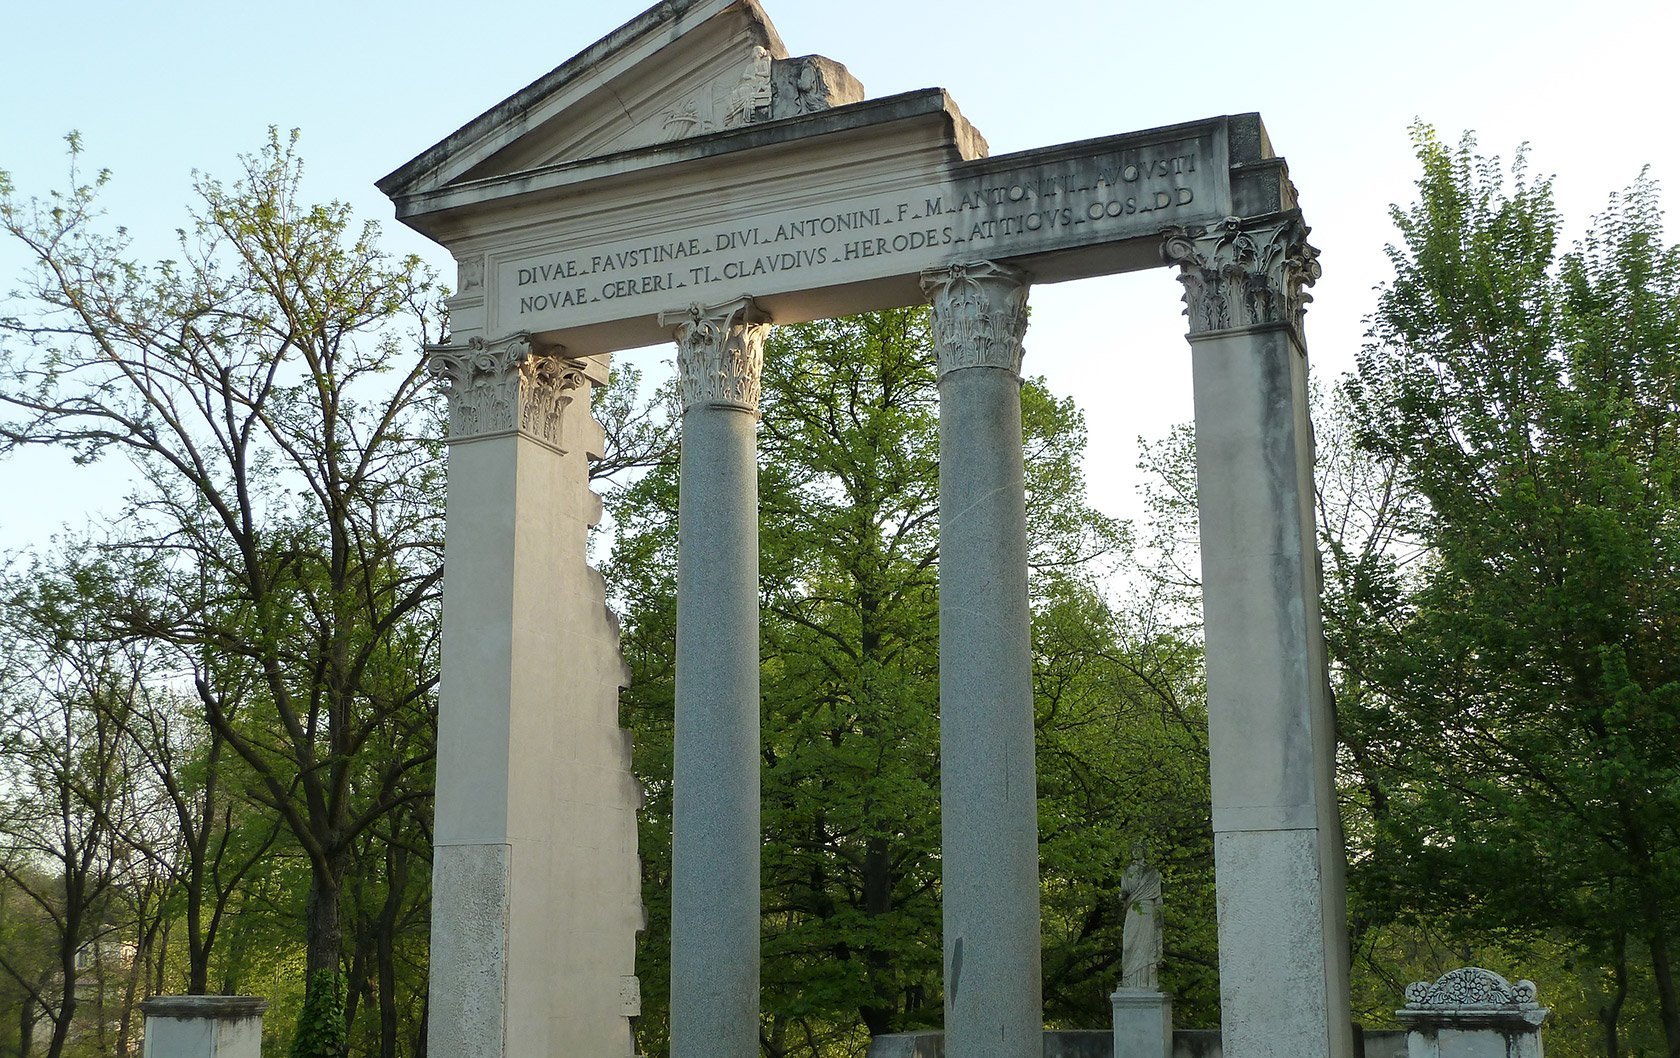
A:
<point x="1010" y="214"/>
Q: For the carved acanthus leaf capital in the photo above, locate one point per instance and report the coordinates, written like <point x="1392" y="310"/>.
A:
<point x="720" y="354"/>
<point x="1238" y="274"/>
<point x="506" y="385"/>
<point x="979" y="315"/>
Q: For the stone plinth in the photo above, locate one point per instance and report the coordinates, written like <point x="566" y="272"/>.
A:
<point x="1057" y="1044"/>
<point x="1142" y="1023"/>
<point x="204" y="1026"/>
<point x="1083" y="1043"/>
<point x="1472" y="1013"/>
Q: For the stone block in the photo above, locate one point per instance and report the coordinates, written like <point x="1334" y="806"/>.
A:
<point x="203" y="1026"/>
<point x="1142" y="1023"/>
<point x="1186" y="1043"/>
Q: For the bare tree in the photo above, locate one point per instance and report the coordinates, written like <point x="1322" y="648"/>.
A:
<point x="266" y="389"/>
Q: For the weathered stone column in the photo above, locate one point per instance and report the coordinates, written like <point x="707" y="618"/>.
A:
<point x="988" y="786"/>
<point x="1278" y="854"/>
<point x="536" y="890"/>
<point x="203" y="1026"/>
<point x="715" y="823"/>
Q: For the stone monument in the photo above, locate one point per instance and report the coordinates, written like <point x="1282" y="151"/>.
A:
<point x="1141" y="936"/>
<point x="1472" y="1013"/>
<point x="1142" y="1012"/>
<point x="203" y="1026"/>
<point x="686" y="179"/>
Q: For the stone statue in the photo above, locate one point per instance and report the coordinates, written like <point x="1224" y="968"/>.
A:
<point x="1140" y="892"/>
<point x="753" y="94"/>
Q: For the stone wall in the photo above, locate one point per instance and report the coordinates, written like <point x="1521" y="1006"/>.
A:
<point x="1099" y="1043"/>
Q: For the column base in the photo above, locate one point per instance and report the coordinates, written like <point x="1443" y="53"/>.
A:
<point x="1142" y="1023"/>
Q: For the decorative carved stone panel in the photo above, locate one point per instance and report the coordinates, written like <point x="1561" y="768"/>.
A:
<point x="809" y="84"/>
<point x="1473" y="1013"/>
<point x="1470" y="986"/>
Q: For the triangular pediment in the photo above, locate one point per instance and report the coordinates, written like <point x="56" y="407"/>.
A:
<point x="682" y="68"/>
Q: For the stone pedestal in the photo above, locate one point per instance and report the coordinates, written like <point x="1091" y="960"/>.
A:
<point x="715" y="833"/>
<point x="203" y="1026"/>
<point x="1278" y="852"/>
<point x="1142" y="1023"/>
<point x="1472" y="1013"/>
<point x="988" y="786"/>
<point x="536" y="888"/>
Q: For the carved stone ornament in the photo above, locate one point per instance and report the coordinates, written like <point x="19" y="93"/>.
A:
<point x="499" y="387"/>
<point x="720" y="354"/>
<point x="979" y="315"/>
<point x="729" y="102"/>
<point x="470" y="273"/>
<point x="1469" y="988"/>
<point x="1238" y="275"/>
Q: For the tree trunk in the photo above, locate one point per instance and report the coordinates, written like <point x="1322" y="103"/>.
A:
<point x="67" y="970"/>
<point x="1663" y="970"/>
<point x="877" y="900"/>
<point x="26" y="1027"/>
<point x="323" y="919"/>
<point x="198" y="951"/>
<point x="1611" y="1014"/>
<point x="396" y="884"/>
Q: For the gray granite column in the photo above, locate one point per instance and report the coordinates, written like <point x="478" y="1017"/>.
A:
<point x="1278" y="854"/>
<point x="715" y="829"/>
<point x="988" y="786"/>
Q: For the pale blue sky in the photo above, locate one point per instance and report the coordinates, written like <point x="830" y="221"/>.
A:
<point x="160" y="89"/>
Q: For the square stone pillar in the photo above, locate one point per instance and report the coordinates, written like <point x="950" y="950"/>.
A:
<point x="536" y="890"/>
<point x="203" y="1026"/>
<point x="1142" y="1023"/>
<point x="1472" y="1013"/>
<point x="1279" y="858"/>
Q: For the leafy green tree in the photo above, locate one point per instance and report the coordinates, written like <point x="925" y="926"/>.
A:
<point x="68" y="796"/>
<point x="1519" y="712"/>
<point x="265" y="391"/>
<point x="28" y="963"/>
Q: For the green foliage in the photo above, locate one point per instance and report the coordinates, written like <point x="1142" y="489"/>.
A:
<point x="320" y="1026"/>
<point x="1514" y="695"/>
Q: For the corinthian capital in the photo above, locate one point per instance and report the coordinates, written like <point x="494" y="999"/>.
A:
<point x="979" y="315"/>
<point x="1239" y="275"/>
<point x="720" y="354"/>
<point x="509" y="385"/>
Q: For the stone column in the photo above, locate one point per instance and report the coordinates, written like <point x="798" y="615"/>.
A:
<point x="203" y="1026"/>
<point x="988" y="786"/>
<point x="1278" y="853"/>
<point x="536" y="888"/>
<point x="715" y="822"/>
